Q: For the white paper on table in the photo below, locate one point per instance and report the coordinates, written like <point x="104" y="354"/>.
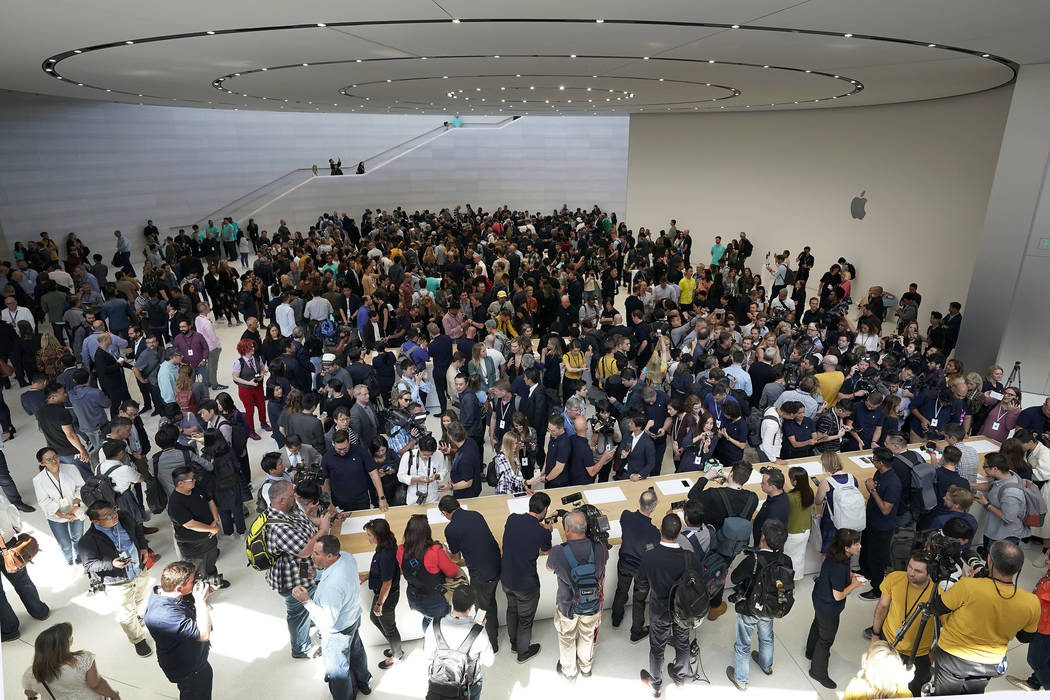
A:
<point x="434" y="516"/>
<point x="671" y="487"/>
<point x="863" y="461"/>
<point x="518" y="505"/>
<point x="355" y="526"/>
<point x="814" y="468"/>
<point x="364" y="560"/>
<point x="755" y="478"/>
<point x="614" y="529"/>
<point x="982" y="446"/>
<point x="610" y="494"/>
<point x="555" y="537"/>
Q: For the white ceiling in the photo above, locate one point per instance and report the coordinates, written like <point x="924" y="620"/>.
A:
<point x="370" y="56"/>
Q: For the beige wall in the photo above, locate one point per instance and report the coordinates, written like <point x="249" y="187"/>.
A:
<point x="788" y="178"/>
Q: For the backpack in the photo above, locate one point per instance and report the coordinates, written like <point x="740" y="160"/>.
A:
<point x="586" y="586"/>
<point x="99" y="487"/>
<point x="156" y="496"/>
<point x="772" y="591"/>
<point x="923" y="495"/>
<point x="690" y="596"/>
<point x="492" y="474"/>
<point x="1035" y="506"/>
<point x="238" y="435"/>
<point x="754" y="426"/>
<point x="735" y="532"/>
<point x="452" y="671"/>
<point x="741" y="397"/>
<point x="789" y="277"/>
<point x="711" y="565"/>
<point x="848" y="506"/>
<point x="226" y="476"/>
<point x="259" y="556"/>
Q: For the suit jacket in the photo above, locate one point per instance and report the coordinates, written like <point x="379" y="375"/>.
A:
<point x="297" y="375"/>
<point x="470" y="414"/>
<point x="307" y="454"/>
<point x="642" y="459"/>
<point x="97" y="551"/>
<point x="363" y="424"/>
<point x="537" y="409"/>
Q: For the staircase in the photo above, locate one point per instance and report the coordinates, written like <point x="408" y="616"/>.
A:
<point x="245" y="207"/>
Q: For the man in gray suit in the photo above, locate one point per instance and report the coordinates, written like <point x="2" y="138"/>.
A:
<point x="639" y="452"/>
<point x="363" y="417"/>
<point x="296" y="454"/>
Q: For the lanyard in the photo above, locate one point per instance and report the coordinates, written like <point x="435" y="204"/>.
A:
<point x="506" y="410"/>
<point x="717" y="412"/>
<point x="1000" y="412"/>
<point x="58" y="484"/>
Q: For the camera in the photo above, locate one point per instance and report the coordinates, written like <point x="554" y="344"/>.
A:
<point x="605" y="426"/>
<point x="396" y="418"/>
<point x="865" y="385"/>
<point x="597" y="522"/>
<point x="421" y="496"/>
<point x="931" y="445"/>
<point x="211" y="580"/>
<point x="945" y="554"/>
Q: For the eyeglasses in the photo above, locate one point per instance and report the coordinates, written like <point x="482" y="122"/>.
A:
<point x="187" y="480"/>
<point x="50" y="460"/>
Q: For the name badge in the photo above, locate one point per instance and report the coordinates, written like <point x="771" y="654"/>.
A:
<point x="64" y="503"/>
<point x="502" y="425"/>
<point x="189" y="353"/>
<point x="995" y="425"/>
<point x="933" y="423"/>
<point x="718" y="423"/>
<point x="698" y="460"/>
<point x="524" y="461"/>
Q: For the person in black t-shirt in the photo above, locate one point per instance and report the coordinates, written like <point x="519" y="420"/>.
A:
<point x="384" y="580"/>
<point x="195" y="519"/>
<point x="468" y="533"/>
<point x="833" y="586"/>
<point x="56" y="422"/>
<point x="525" y="537"/>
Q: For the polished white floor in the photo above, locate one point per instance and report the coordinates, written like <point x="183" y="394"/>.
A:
<point x="250" y="651"/>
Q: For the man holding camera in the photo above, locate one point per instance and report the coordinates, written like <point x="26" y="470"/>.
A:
<point x="468" y="534"/>
<point x="902" y="592"/>
<point x="579" y="565"/>
<point x="195" y="520"/>
<point x="525" y="537"/>
<point x="983" y="616"/>
<point x="178" y="618"/>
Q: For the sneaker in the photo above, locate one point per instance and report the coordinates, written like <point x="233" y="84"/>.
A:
<point x="25" y="508"/>
<point x="150" y="530"/>
<point x="562" y="673"/>
<point x="754" y="657"/>
<point x="219" y="387"/>
<point x="226" y="584"/>
<point x="585" y="674"/>
<point x="717" y="611"/>
<point x="648" y="680"/>
<point x="1021" y="683"/>
<point x="389" y="661"/>
<point x="731" y="675"/>
<point x="265" y="427"/>
<point x="825" y="681"/>
<point x="529" y="653"/>
<point x="639" y="635"/>
<point x="143" y="649"/>
<point x="311" y="653"/>
<point x="11" y="638"/>
<point x="364" y="689"/>
<point x="254" y="436"/>
<point x="873" y="594"/>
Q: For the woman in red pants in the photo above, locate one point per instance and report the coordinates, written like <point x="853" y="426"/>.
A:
<point x="249" y="372"/>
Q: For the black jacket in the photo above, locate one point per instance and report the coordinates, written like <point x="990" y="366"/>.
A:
<point x="97" y="551"/>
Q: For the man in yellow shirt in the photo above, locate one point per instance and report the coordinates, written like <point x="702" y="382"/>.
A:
<point x="830" y="379"/>
<point x="902" y="593"/>
<point x="687" y="285"/>
<point x="984" y="614"/>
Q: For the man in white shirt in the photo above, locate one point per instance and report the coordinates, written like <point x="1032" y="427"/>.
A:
<point x="454" y="629"/>
<point x="772" y="432"/>
<point x="285" y="316"/>
<point x="13" y="313"/>
<point x="318" y="309"/>
<point x="423" y="469"/>
<point x="204" y="326"/>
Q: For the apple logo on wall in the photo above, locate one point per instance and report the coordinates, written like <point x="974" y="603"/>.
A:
<point x="856" y="207"/>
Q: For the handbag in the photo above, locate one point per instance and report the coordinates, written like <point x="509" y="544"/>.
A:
<point x="20" y="553"/>
<point x="151" y="558"/>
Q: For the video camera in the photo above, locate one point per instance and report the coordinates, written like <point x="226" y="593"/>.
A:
<point x="597" y="522"/>
<point x="605" y="427"/>
<point x="945" y="555"/>
<point x="397" y="418"/>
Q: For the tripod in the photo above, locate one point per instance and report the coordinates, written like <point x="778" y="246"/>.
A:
<point x="921" y="613"/>
<point x="1015" y="375"/>
<point x="696" y="667"/>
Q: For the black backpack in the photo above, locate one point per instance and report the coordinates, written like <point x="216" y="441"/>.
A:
<point x="690" y="598"/>
<point x="99" y="487"/>
<point x="492" y="474"/>
<point x="772" y="591"/>
<point x="238" y="436"/>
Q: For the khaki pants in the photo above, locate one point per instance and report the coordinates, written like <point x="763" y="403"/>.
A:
<point x="576" y="638"/>
<point x="128" y="600"/>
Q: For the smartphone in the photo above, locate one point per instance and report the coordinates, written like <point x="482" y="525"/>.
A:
<point x="815" y="482"/>
<point x="678" y="505"/>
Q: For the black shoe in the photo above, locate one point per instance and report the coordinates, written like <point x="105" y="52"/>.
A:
<point x="639" y="635"/>
<point x="224" y="584"/>
<point x="825" y="681"/>
<point x="11" y="638"/>
<point x="529" y="653"/>
<point x="648" y="680"/>
<point x="873" y="594"/>
<point x="585" y="674"/>
<point x="364" y="689"/>
<point x="616" y="621"/>
<point x="754" y="657"/>
<point x="25" y="508"/>
<point x="562" y="673"/>
<point x="143" y="649"/>
<point x="868" y="633"/>
<point x="731" y="675"/>
<point x="675" y="678"/>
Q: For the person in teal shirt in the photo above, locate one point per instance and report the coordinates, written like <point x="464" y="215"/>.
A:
<point x="717" y="250"/>
<point x="212" y="230"/>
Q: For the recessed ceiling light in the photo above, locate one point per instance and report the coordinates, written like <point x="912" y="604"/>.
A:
<point x="661" y="80"/>
<point x="129" y="43"/>
<point x="848" y="36"/>
<point x="809" y="71"/>
<point x="358" y="60"/>
<point x="572" y="55"/>
<point x="588" y="89"/>
<point x="495" y="56"/>
<point x="455" y="21"/>
<point x="79" y="51"/>
<point x="710" y="61"/>
<point x="517" y="75"/>
<point x="305" y="65"/>
<point x="836" y="76"/>
<point x="532" y="87"/>
<point x="645" y="58"/>
<point x="108" y="90"/>
<point x="264" y="69"/>
<point x="140" y="95"/>
<point x="932" y="46"/>
<point x="599" y="21"/>
<point x="561" y="87"/>
<point x="445" y="77"/>
<point x="236" y="74"/>
<point x="984" y="55"/>
<point x="48" y="70"/>
<point x="765" y="66"/>
<point x="209" y="32"/>
<point x="388" y="80"/>
<point x="321" y="24"/>
<point x="735" y="26"/>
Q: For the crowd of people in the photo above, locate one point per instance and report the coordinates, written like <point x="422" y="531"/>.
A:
<point x="510" y="327"/>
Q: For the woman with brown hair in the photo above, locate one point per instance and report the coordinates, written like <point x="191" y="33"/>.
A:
<point x="62" y="673"/>
<point x="384" y="580"/>
<point x="184" y="390"/>
<point x="425" y="566"/>
<point x="49" y="357"/>
<point x="800" y="512"/>
<point x="833" y="586"/>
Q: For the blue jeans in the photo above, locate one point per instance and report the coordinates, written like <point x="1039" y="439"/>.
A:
<point x="345" y="662"/>
<point x="430" y="607"/>
<point x="27" y="593"/>
<point x="68" y="533"/>
<point x="298" y="622"/>
<point x="83" y="467"/>
<point x="745" y="627"/>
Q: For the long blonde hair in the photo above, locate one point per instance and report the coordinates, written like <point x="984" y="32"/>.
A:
<point x="882" y="674"/>
<point x="509" y="448"/>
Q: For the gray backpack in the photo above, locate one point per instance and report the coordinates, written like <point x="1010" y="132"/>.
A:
<point x="452" y="671"/>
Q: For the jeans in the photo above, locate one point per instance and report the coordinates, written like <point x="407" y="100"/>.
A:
<point x="956" y="676"/>
<point x="213" y="367"/>
<point x="345" y="662"/>
<point x="7" y="483"/>
<point x="624" y="579"/>
<point x="231" y="512"/>
<point x="298" y="621"/>
<point x="818" y="646"/>
<point x="1039" y="660"/>
<point x="197" y="685"/>
<point x="430" y="607"/>
<point x="386" y="623"/>
<point x="83" y="467"/>
<point x="875" y="555"/>
<point x="662" y="631"/>
<point x="521" y="611"/>
<point x="745" y="627"/>
<point x="67" y="533"/>
<point x="486" y="600"/>
<point x="27" y="593"/>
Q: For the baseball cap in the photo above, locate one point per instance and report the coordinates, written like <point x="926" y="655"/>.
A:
<point x="501" y="294"/>
<point x="327" y="358"/>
